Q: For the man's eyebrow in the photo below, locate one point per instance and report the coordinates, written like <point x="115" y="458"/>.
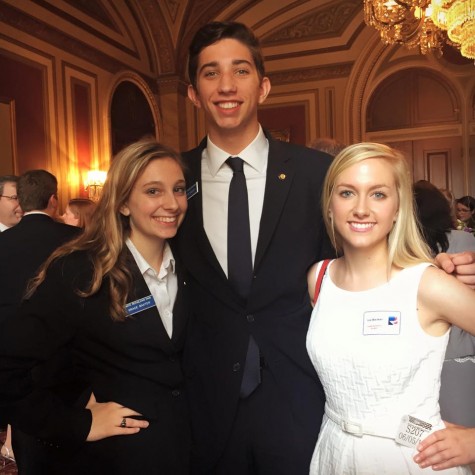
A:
<point x="214" y="64"/>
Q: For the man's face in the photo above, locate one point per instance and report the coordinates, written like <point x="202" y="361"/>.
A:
<point x="228" y="88"/>
<point x="10" y="211"/>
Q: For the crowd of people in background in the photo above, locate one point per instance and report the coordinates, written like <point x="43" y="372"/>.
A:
<point x="163" y="327"/>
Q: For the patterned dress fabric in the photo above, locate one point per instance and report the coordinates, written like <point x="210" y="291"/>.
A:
<point x="376" y="365"/>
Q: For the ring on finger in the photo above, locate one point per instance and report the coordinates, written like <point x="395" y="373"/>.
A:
<point x="123" y="423"/>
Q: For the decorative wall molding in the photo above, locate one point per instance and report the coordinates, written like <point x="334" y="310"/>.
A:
<point x="60" y="39"/>
<point x="317" y="73"/>
<point x="321" y="23"/>
<point x="172" y="7"/>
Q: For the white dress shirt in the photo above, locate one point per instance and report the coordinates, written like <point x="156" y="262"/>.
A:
<point x="216" y="176"/>
<point x="3" y="227"/>
<point x="163" y="286"/>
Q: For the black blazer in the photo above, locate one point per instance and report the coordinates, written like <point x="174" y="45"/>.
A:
<point x="134" y="363"/>
<point x="23" y="248"/>
<point x="291" y="238"/>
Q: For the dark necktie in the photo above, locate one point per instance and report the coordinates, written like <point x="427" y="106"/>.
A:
<point x="240" y="262"/>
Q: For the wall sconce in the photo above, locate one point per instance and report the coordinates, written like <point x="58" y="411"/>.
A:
<point x="94" y="182"/>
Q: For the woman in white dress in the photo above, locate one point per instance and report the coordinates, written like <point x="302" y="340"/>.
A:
<point x="381" y="323"/>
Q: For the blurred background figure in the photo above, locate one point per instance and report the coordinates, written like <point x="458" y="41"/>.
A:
<point x="78" y="212"/>
<point x="449" y="196"/>
<point x="10" y="210"/>
<point x="457" y="404"/>
<point x="23" y="248"/>
<point x="327" y="145"/>
<point x="465" y="209"/>
<point x="435" y="218"/>
<point x="10" y="214"/>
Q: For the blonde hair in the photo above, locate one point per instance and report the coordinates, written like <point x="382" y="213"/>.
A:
<point x="405" y="243"/>
<point x="104" y="238"/>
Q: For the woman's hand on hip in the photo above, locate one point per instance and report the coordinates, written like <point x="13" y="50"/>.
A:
<point x="110" y="418"/>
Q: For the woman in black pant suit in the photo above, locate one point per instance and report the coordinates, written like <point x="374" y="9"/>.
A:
<point x="114" y="300"/>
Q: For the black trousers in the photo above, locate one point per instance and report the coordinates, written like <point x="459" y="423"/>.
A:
<point x="266" y="438"/>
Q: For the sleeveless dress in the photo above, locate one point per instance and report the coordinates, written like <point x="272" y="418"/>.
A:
<point x="376" y="365"/>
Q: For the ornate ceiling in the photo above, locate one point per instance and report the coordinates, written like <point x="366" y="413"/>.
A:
<point x="153" y="35"/>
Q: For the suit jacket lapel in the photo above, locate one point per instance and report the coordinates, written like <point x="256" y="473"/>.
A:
<point x="195" y="248"/>
<point x="280" y="173"/>
<point x="180" y="313"/>
<point x="195" y="209"/>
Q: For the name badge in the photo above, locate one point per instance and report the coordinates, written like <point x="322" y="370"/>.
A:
<point x="139" y="305"/>
<point x="382" y="323"/>
<point x="412" y="430"/>
<point x="192" y="191"/>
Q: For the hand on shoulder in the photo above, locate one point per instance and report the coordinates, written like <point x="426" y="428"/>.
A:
<point x="461" y="265"/>
<point x="443" y="299"/>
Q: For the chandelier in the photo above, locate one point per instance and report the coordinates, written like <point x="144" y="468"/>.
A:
<point x="427" y="24"/>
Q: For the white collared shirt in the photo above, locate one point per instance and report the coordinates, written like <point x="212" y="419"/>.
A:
<point x="163" y="286"/>
<point x="216" y="176"/>
<point x="3" y="227"/>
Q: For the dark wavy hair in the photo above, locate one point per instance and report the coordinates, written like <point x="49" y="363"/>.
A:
<point x="219" y="30"/>
<point x="434" y="215"/>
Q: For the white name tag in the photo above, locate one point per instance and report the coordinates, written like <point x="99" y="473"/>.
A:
<point x="382" y="323"/>
<point x="412" y="430"/>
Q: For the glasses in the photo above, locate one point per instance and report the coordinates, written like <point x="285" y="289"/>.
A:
<point x="11" y="198"/>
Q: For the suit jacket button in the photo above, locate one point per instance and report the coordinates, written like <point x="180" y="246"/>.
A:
<point x="250" y="318"/>
<point x="236" y="367"/>
<point x="176" y="392"/>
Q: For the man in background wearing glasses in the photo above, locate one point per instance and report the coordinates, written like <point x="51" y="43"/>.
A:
<point x="10" y="211"/>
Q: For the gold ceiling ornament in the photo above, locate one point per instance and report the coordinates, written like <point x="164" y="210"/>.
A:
<point x="427" y="24"/>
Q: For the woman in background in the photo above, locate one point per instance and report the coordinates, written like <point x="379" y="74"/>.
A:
<point x="115" y="298"/>
<point x="78" y="212"/>
<point x="449" y="196"/>
<point x="465" y="210"/>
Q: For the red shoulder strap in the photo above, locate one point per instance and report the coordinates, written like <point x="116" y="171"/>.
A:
<point x="318" y="284"/>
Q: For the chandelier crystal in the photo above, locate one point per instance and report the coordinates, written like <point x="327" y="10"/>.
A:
<point x="426" y="24"/>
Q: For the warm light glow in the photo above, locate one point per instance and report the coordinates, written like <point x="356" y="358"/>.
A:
<point x="94" y="182"/>
<point x="427" y="24"/>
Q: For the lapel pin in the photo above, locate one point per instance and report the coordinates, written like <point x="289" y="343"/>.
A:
<point x="282" y="176"/>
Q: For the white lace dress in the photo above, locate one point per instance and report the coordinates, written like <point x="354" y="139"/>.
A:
<point x="376" y="365"/>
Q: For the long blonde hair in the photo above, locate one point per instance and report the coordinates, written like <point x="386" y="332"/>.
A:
<point x="104" y="238"/>
<point x="405" y="243"/>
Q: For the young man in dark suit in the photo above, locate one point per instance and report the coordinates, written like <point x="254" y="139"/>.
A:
<point x="272" y="428"/>
<point x="23" y="248"/>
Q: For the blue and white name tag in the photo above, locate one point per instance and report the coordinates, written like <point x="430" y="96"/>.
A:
<point x="384" y="322"/>
<point x="192" y="191"/>
<point x="139" y="305"/>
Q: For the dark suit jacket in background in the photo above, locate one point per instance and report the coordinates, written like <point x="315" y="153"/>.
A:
<point x="291" y="238"/>
<point x="133" y="363"/>
<point x="23" y="248"/>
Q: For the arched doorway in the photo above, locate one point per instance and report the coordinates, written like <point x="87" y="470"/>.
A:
<point x="131" y="116"/>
